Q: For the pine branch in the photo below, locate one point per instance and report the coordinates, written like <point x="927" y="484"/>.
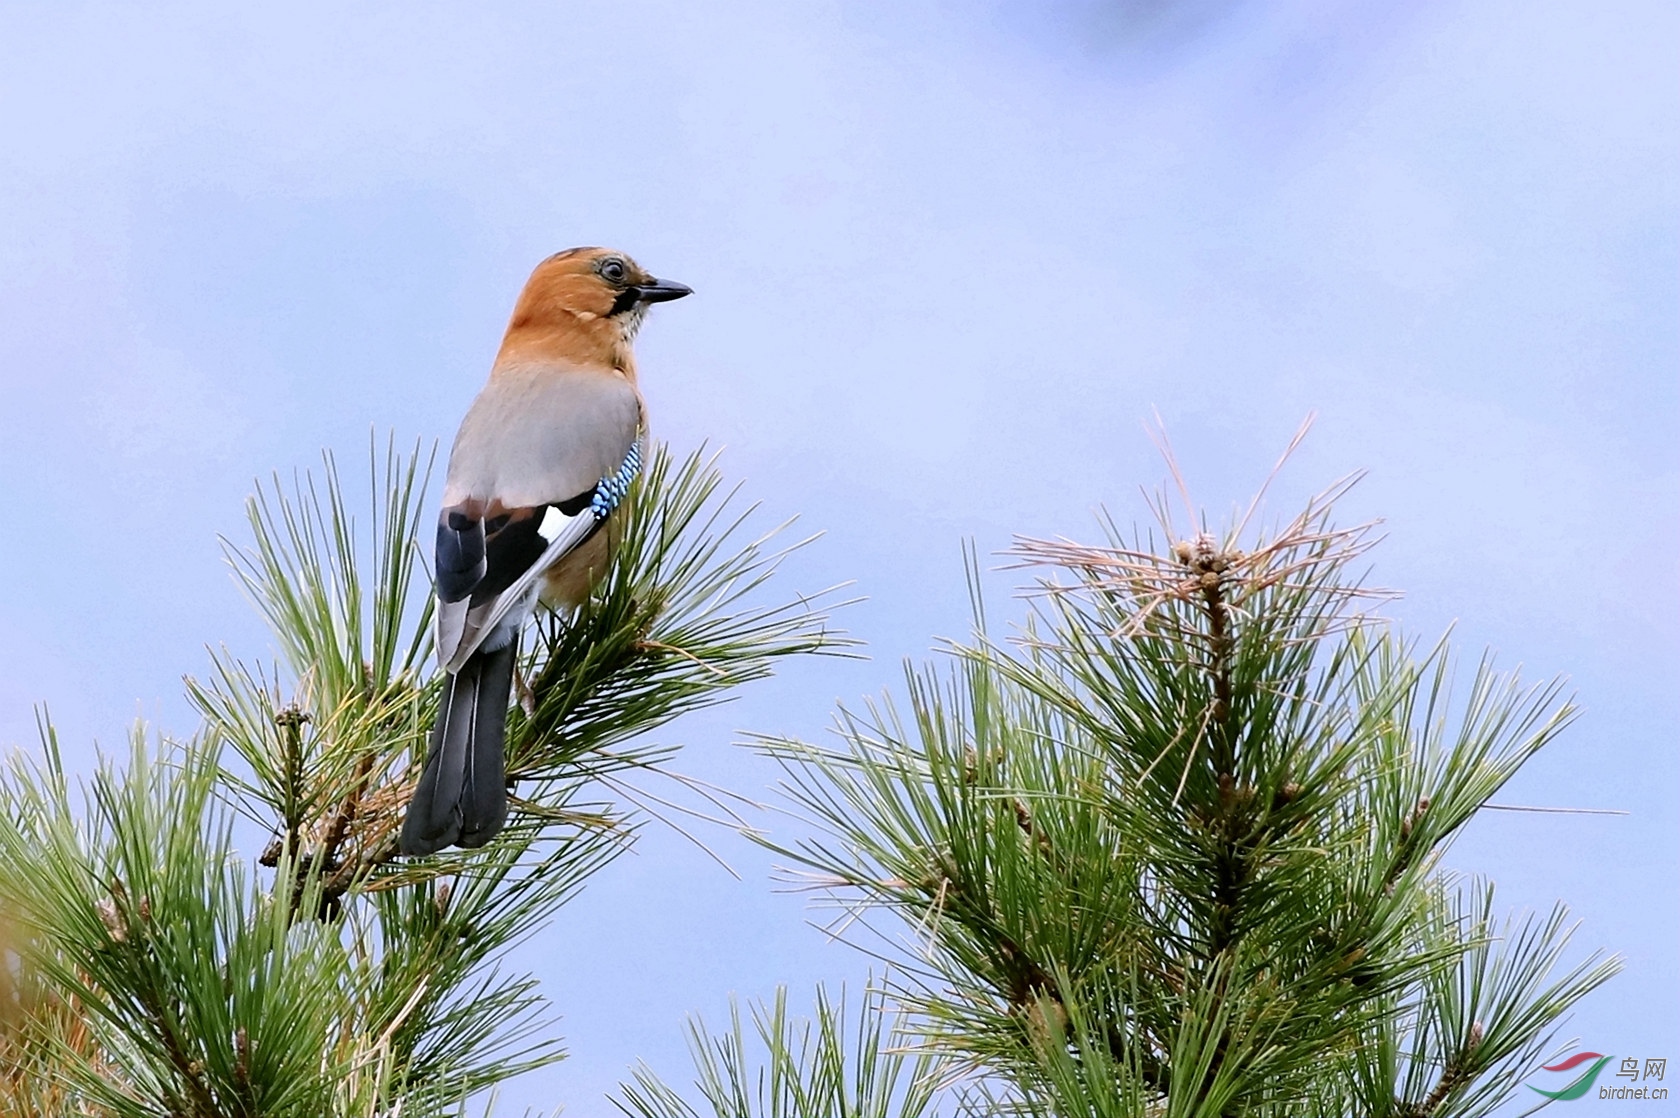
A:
<point x="838" y="1062"/>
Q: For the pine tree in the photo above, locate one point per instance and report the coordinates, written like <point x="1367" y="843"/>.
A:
<point x="155" y="968"/>
<point x="1174" y="850"/>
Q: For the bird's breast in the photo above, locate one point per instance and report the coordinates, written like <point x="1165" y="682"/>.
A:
<point x="567" y="584"/>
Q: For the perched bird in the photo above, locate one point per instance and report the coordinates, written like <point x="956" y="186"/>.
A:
<point x="542" y="459"/>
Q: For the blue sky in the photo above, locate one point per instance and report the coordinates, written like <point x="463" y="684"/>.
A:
<point x="949" y="258"/>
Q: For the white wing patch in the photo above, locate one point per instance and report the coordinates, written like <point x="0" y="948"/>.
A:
<point x="553" y="520"/>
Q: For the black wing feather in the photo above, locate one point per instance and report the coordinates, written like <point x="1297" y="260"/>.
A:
<point x="481" y="558"/>
<point x="509" y="550"/>
<point x="460" y="554"/>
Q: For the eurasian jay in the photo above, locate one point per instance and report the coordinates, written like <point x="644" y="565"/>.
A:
<point x="542" y="459"/>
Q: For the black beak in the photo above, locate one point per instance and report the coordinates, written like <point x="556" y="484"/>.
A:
<point x="662" y="291"/>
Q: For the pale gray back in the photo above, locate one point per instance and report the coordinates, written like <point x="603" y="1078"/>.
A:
<point x="540" y="433"/>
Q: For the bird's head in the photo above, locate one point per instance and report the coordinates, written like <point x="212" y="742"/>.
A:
<point x="585" y="305"/>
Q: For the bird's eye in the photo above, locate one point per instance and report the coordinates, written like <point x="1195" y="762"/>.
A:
<point x="612" y="270"/>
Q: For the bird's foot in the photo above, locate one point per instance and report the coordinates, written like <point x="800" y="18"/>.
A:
<point x="527" y="696"/>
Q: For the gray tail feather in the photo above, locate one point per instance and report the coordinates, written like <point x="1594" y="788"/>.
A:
<point x="461" y="799"/>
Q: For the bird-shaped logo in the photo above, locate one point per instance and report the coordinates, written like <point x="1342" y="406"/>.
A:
<point x="540" y="463"/>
